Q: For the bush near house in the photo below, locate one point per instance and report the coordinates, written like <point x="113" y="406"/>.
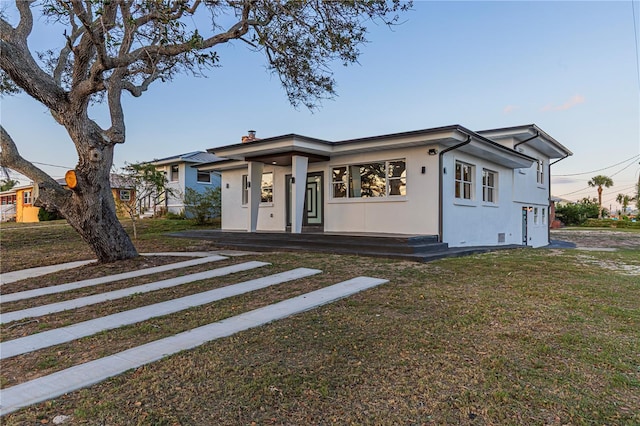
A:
<point x="577" y="214"/>
<point x="45" y="215"/>
<point x="202" y="206"/>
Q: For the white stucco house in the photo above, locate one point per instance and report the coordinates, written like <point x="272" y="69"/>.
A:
<point x="469" y="188"/>
<point x="181" y="173"/>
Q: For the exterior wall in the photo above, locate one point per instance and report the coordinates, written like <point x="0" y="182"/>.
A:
<point x="25" y="212"/>
<point x="474" y="222"/>
<point x="187" y="178"/>
<point x="415" y="213"/>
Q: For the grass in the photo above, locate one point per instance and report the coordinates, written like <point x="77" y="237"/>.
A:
<point x="520" y="337"/>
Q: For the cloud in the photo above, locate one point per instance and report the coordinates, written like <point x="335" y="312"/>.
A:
<point x="509" y="109"/>
<point x="573" y="101"/>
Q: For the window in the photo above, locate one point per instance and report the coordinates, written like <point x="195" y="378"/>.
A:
<point x="370" y="180"/>
<point x="544" y="216"/>
<point x="489" y="181"/>
<point x="535" y="215"/>
<point x="245" y="190"/>
<point x="173" y="177"/>
<point x="125" y="195"/>
<point x="26" y="197"/>
<point x="204" y="177"/>
<point x="540" y="172"/>
<point x="464" y="180"/>
<point x="266" y="188"/>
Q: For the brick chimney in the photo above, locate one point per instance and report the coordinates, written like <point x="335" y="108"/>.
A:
<point x="251" y="136"/>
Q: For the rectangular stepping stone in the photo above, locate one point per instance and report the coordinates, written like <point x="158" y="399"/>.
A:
<point x="21" y="295"/>
<point x="23" y="274"/>
<point x="118" y="294"/>
<point x="58" y="336"/>
<point x="87" y="374"/>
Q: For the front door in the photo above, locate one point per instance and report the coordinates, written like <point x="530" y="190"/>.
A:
<point x="313" y="201"/>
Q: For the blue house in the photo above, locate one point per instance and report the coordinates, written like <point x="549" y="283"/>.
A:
<point x="181" y="173"/>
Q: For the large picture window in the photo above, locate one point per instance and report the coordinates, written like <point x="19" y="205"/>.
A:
<point x="370" y="180"/>
<point x="489" y="182"/>
<point x="464" y="181"/>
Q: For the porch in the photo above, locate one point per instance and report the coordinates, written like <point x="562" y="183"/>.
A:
<point x="420" y="248"/>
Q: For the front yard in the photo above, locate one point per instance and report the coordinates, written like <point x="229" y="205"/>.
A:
<point x="518" y="337"/>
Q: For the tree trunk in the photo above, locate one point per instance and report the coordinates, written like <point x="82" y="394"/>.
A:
<point x="599" y="202"/>
<point x="89" y="207"/>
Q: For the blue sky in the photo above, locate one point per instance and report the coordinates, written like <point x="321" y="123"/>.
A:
<point x="569" y="67"/>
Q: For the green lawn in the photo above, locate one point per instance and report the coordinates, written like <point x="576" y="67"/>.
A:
<point x="521" y="337"/>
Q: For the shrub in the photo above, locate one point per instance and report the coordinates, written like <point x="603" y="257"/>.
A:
<point x="45" y="215"/>
<point x="202" y="206"/>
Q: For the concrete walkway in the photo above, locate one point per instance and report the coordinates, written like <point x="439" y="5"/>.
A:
<point x="117" y="294"/>
<point x="12" y="297"/>
<point x="83" y="375"/>
<point x="58" y="336"/>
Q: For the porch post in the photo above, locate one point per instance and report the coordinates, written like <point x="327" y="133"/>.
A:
<point x="299" y="165"/>
<point x="255" y="189"/>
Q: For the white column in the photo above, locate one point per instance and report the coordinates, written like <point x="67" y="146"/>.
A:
<point x="255" y="189"/>
<point x="299" y="166"/>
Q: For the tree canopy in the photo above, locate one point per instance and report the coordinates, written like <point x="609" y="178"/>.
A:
<point x="112" y="47"/>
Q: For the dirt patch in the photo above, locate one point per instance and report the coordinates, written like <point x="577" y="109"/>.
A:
<point x="594" y="238"/>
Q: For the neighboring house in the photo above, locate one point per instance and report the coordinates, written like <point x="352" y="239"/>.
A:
<point x="24" y="196"/>
<point x="181" y="173"/>
<point x="469" y="188"/>
<point x="8" y="200"/>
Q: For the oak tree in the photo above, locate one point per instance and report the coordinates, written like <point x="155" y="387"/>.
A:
<point x="113" y="47"/>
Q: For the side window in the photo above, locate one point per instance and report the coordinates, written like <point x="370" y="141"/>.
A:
<point x="245" y="190"/>
<point x="464" y="181"/>
<point x="266" y="188"/>
<point x="204" y="177"/>
<point x="489" y="186"/>
<point x="26" y="199"/>
<point x="174" y="175"/>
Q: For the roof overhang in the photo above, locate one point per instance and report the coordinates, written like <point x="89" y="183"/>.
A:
<point x="534" y="137"/>
<point x="280" y="150"/>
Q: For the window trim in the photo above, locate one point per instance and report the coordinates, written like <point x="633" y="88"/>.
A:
<point x="26" y="198"/>
<point x="347" y="181"/>
<point x="459" y="190"/>
<point x="486" y="189"/>
<point x="127" y="198"/>
<point x="540" y="172"/>
<point x="263" y="187"/>
<point x="204" y="182"/>
<point x="177" y="173"/>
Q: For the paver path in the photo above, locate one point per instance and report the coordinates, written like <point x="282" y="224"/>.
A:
<point x="89" y="373"/>
<point x="118" y="294"/>
<point x="61" y="335"/>
<point x="12" y="297"/>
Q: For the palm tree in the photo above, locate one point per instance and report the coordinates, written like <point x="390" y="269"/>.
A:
<point x="600" y="181"/>
<point x="624" y="200"/>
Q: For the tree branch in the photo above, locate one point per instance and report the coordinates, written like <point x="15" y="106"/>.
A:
<point x="10" y="157"/>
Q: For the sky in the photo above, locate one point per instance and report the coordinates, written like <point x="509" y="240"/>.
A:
<point x="570" y="67"/>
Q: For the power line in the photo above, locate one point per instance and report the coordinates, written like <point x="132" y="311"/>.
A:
<point x="625" y="167"/>
<point x="52" y="165"/>
<point x="599" y="170"/>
